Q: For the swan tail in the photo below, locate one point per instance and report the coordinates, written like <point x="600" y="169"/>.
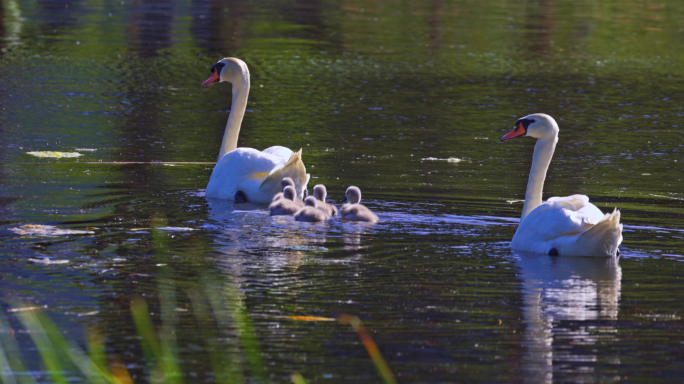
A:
<point x="294" y="169"/>
<point x="603" y="238"/>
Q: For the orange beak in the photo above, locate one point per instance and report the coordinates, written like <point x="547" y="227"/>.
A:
<point x="518" y="131"/>
<point x="213" y="79"/>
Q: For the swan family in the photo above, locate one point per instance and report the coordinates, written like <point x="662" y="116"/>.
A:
<point x="565" y="226"/>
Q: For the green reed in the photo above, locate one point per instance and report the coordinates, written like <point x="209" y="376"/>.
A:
<point x="62" y="358"/>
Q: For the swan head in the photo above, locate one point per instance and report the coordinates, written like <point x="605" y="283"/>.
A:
<point x="289" y="193"/>
<point x="230" y="69"/>
<point x="286" y="182"/>
<point x="352" y="196"/>
<point x="320" y="192"/>
<point x="311" y="202"/>
<point x="537" y="125"/>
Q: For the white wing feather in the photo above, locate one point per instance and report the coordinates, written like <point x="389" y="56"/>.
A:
<point x="245" y="169"/>
<point x="239" y="169"/>
<point x="558" y="223"/>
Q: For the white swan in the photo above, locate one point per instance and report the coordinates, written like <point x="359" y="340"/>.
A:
<point x="567" y="226"/>
<point x="246" y="174"/>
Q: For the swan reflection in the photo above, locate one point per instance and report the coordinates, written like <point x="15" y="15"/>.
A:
<point x="249" y="238"/>
<point x="569" y="307"/>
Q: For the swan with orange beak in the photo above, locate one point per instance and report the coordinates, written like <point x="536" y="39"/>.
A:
<point x="247" y="174"/>
<point x="566" y="226"/>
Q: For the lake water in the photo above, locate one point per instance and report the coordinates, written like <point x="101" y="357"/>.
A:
<point x="378" y="95"/>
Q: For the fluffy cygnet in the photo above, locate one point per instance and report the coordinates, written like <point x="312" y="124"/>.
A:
<point x="320" y="193"/>
<point x="311" y="212"/>
<point x="287" y="205"/>
<point x="285" y="182"/>
<point x="354" y="211"/>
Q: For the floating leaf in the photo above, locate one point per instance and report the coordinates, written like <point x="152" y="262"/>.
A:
<point x="176" y="229"/>
<point x="91" y="313"/>
<point x="450" y="159"/>
<point x="47" y="260"/>
<point x="47" y="230"/>
<point x="306" y="248"/>
<point x="308" y="318"/>
<point x="54" y="154"/>
<point x="23" y="309"/>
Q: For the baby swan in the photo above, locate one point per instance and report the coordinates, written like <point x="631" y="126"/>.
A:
<point x="283" y="183"/>
<point x="320" y="193"/>
<point x="354" y="211"/>
<point x="311" y="212"/>
<point x="286" y="205"/>
<point x="286" y="181"/>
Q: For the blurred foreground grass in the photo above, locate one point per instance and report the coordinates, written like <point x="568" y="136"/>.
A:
<point x="64" y="361"/>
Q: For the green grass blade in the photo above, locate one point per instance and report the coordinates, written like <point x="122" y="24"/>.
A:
<point x="246" y="332"/>
<point x="221" y="366"/>
<point x="234" y="368"/>
<point x="145" y="329"/>
<point x="372" y="349"/>
<point x="169" y="359"/>
<point x="11" y="357"/>
<point x="297" y="378"/>
<point x="69" y="349"/>
<point x="96" y="349"/>
<point x="6" y="373"/>
<point x="48" y="352"/>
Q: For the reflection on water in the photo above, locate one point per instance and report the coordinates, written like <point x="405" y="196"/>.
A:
<point x="248" y="234"/>
<point x="570" y="306"/>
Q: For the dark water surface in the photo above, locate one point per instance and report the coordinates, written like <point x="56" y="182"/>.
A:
<point x="370" y="91"/>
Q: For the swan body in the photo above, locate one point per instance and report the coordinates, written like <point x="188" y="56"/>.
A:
<point x="287" y="205"/>
<point x="354" y="211"/>
<point x="310" y="212"/>
<point x="566" y="226"/>
<point x="320" y="193"/>
<point x="248" y="173"/>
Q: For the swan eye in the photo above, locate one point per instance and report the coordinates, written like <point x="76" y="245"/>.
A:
<point x="524" y="122"/>
<point x="217" y="67"/>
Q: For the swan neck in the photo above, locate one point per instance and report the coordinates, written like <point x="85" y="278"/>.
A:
<point x="543" y="152"/>
<point x="237" y="112"/>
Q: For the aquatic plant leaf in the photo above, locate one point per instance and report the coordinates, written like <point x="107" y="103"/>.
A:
<point x="309" y="318"/>
<point x="47" y="230"/>
<point x="55" y="154"/>
<point x="48" y="260"/>
<point x="175" y="229"/>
